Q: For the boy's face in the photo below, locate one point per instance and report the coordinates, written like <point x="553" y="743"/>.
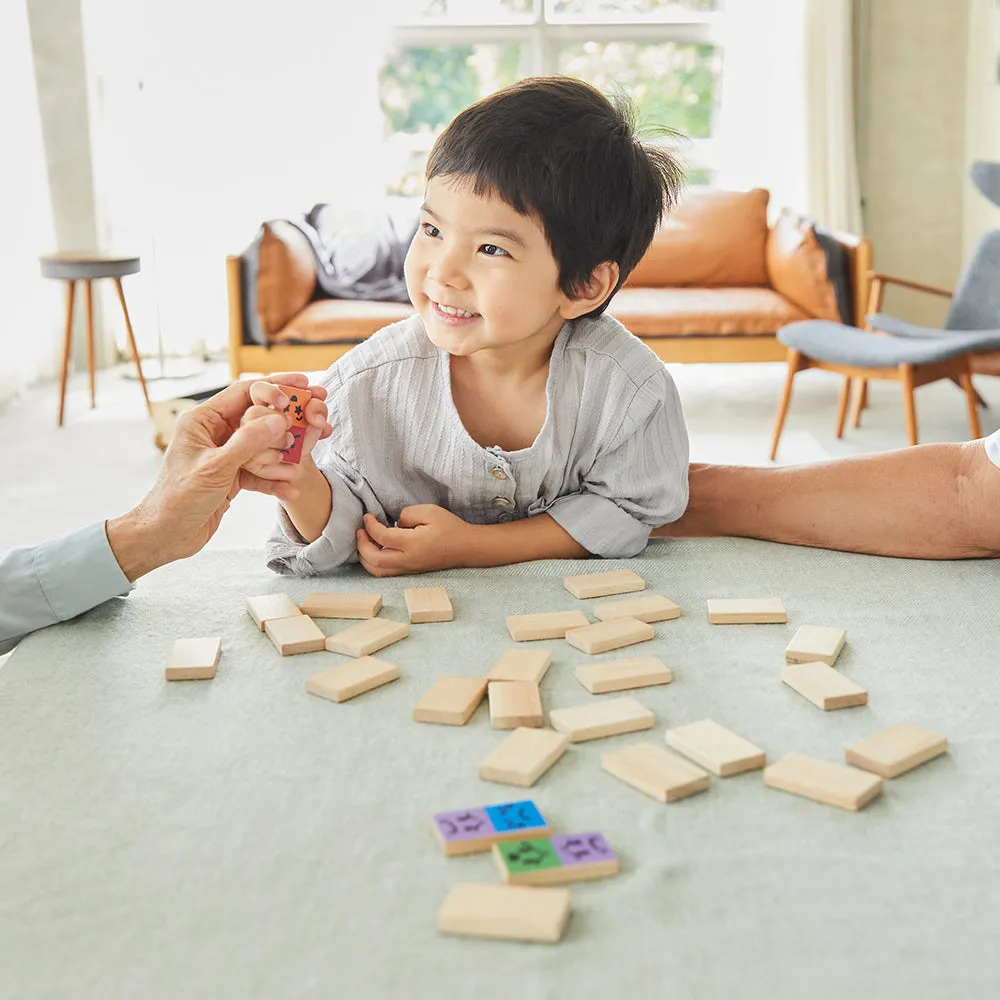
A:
<point x="482" y="276"/>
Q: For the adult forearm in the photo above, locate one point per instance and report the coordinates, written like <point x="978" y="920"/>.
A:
<point x="930" y="502"/>
<point x="538" y="537"/>
<point x="311" y="509"/>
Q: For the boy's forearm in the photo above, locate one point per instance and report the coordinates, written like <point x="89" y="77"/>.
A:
<point x="930" y="502"/>
<point x="311" y="509"/>
<point x="539" y="537"/>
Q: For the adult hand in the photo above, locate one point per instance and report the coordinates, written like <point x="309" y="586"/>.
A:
<point x="200" y="476"/>
<point x="427" y="537"/>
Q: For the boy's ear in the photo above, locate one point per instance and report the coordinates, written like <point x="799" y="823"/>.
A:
<point x="602" y="281"/>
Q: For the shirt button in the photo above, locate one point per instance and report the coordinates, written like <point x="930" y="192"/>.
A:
<point x="501" y="502"/>
<point x="498" y="473"/>
<point x="505" y="517"/>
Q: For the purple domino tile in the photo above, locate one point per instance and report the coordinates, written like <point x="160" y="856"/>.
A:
<point x="463" y="824"/>
<point x="581" y="848"/>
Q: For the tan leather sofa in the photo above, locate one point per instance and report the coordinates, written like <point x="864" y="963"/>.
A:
<point x="715" y="285"/>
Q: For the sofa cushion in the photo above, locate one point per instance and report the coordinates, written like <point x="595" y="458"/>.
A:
<point x="712" y="239"/>
<point x="286" y="275"/>
<point x="329" y="321"/>
<point x="797" y="267"/>
<point x="668" y="312"/>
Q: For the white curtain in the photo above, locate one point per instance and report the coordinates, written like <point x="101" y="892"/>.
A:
<point x="786" y="120"/>
<point x="30" y="317"/>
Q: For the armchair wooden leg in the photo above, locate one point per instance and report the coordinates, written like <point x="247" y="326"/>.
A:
<point x="67" y="340"/>
<point x="860" y="402"/>
<point x="845" y="395"/>
<point x="88" y="298"/>
<point x="909" y="407"/>
<point x="970" y="398"/>
<point x="795" y="365"/>
<point x="131" y="343"/>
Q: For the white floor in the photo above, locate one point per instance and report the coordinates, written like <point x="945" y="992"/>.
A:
<point x="103" y="460"/>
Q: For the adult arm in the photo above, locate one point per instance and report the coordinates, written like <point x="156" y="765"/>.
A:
<point x="935" y="501"/>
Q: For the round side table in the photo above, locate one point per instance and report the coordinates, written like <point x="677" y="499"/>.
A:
<point x="86" y="267"/>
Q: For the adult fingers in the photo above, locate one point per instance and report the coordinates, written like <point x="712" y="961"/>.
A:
<point x="295" y="379"/>
<point x="251" y="439"/>
<point x="257" y="412"/>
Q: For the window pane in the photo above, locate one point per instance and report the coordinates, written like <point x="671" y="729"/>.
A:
<point x="629" y="10"/>
<point x="422" y="88"/>
<point x="465" y="11"/>
<point x="671" y="83"/>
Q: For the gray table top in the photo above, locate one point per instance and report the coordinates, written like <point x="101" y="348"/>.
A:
<point x="241" y="838"/>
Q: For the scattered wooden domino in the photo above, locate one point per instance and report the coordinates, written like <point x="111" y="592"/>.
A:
<point x="602" y="637"/>
<point x="451" y="701"/>
<point x="825" y="687"/>
<point x="512" y="912"/>
<point x="341" y="605"/>
<point x="555" y="860"/>
<point x="428" y="604"/>
<point x="716" y="748"/>
<point x="649" y="608"/>
<point x="521" y="665"/>
<point x="296" y="409"/>
<point x="614" y="581"/>
<point x="821" y="781"/>
<point x="524" y="757"/>
<point x="896" y="750"/>
<point x="295" y="635"/>
<point x="367" y="637"/>
<point x="514" y="704"/>
<point x="551" y="625"/>
<point x="193" y="659"/>
<point x="348" y="680"/>
<point x="264" y="607"/>
<point x="746" y="611"/>
<point x="816" y="644"/>
<point x="655" y="772"/>
<point x="605" y="718"/>
<point x="623" y="675"/>
<point x="476" y="830"/>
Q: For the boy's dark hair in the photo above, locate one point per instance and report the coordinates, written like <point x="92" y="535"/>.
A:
<point x="558" y="149"/>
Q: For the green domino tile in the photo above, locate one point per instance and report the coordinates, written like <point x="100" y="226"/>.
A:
<point x="520" y="856"/>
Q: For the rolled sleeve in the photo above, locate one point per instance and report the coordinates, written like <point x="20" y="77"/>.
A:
<point x="993" y="448"/>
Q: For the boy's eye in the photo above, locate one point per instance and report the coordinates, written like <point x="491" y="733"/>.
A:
<point x="430" y="230"/>
<point x="492" y="250"/>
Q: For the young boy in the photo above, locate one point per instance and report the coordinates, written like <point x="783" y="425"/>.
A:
<point x="509" y="419"/>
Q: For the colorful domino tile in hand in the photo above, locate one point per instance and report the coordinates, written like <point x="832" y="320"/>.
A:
<point x="297" y="399"/>
<point x="556" y="859"/>
<point x="473" y="831"/>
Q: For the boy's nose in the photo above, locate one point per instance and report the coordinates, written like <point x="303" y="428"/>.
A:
<point x="446" y="270"/>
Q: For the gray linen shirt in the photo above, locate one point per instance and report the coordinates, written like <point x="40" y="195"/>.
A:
<point x="609" y="464"/>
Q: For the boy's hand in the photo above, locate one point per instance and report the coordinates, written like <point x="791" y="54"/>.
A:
<point x="427" y="538"/>
<point x="267" y="397"/>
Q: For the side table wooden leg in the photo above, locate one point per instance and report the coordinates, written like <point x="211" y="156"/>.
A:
<point x="67" y="340"/>
<point x="970" y="398"/>
<point x="89" y="304"/>
<point x="845" y="396"/>
<point x="860" y="402"/>
<point x="131" y="343"/>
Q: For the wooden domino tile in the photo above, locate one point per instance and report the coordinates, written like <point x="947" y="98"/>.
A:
<point x="521" y="665"/>
<point x="605" y="718"/>
<point x="821" y="781"/>
<point x="264" y="607"/>
<point x="816" y="644"/>
<point x="511" y="912"/>
<point x="747" y="611"/>
<point x="606" y="676"/>
<point x="602" y="637"/>
<point x="193" y="659"/>
<point x="341" y="605"/>
<point x="656" y="772"/>
<point x="451" y="701"/>
<point x="896" y="750"/>
<point x="825" y="687"/>
<point x="292" y="636"/>
<point x="514" y="704"/>
<point x="348" y="680"/>
<point x="476" y="830"/>
<point x="557" y="859"/>
<point x="524" y="757"/>
<point x="428" y="604"/>
<point x="614" y="581"/>
<point x="367" y="637"/>
<point x="649" y="608"/>
<point x="550" y="625"/>
<point x="296" y="409"/>
<point x="716" y="748"/>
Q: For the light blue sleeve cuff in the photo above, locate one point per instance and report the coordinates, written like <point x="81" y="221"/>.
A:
<point x="993" y="448"/>
<point x="599" y="525"/>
